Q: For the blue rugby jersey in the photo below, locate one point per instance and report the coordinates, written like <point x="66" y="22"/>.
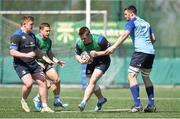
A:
<point x="140" y="32"/>
<point x="23" y="42"/>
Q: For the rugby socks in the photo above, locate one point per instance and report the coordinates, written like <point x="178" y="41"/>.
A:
<point x="101" y="100"/>
<point x="150" y="93"/>
<point x="83" y="101"/>
<point x="24" y="99"/>
<point x="135" y="93"/>
<point x="37" y="98"/>
<point x="44" y="104"/>
<point x="57" y="98"/>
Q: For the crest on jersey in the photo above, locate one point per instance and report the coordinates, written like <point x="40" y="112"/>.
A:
<point x="23" y="37"/>
<point x="23" y="72"/>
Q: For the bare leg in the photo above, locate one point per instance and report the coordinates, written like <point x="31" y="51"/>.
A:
<point x="41" y="81"/>
<point x="132" y="77"/>
<point x="27" y="85"/>
<point x="26" y="89"/>
<point x="98" y="94"/>
<point x="52" y="75"/>
<point x="93" y="88"/>
<point x="97" y="91"/>
<point x="92" y="82"/>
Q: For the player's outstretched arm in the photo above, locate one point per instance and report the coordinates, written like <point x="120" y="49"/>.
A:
<point x="94" y="53"/>
<point x="119" y="41"/>
<point x="54" y="59"/>
<point x="40" y="54"/>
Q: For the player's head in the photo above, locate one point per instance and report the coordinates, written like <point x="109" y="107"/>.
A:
<point x="27" y="23"/>
<point x="85" y="34"/>
<point x="130" y="12"/>
<point x="44" y="29"/>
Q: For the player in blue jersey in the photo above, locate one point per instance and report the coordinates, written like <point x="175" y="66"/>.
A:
<point x="24" y="49"/>
<point x="96" y="46"/>
<point x="143" y="39"/>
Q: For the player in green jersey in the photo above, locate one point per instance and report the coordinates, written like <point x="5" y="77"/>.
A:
<point x="44" y="44"/>
<point x="95" y="45"/>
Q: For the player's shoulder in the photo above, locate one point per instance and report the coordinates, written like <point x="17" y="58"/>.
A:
<point x="97" y="36"/>
<point x="78" y="42"/>
<point x="38" y="36"/>
<point x="17" y="35"/>
<point x="18" y="32"/>
<point x="131" y="21"/>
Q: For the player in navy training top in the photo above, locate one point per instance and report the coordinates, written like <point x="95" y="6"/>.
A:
<point x="23" y="48"/>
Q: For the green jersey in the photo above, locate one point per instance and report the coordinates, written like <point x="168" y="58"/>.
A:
<point x="44" y="45"/>
<point x="95" y="45"/>
<point x="99" y="43"/>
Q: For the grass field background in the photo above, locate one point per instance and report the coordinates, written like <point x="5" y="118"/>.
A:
<point x="119" y="102"/>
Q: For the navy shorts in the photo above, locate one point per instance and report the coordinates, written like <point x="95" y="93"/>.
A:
<point x="23" y="69"/>
<point x="47" y="67"/>
<point x="102" y="65"/>
<point x="142" y="60"/>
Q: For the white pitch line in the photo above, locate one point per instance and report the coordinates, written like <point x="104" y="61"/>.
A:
<point x="110" y="98"/>
<point x="72" y="111"/>
<point x="103" y="110"/>
<point x="91" y="118"/>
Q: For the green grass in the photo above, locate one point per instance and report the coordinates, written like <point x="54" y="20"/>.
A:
<point x="119" y="101"/>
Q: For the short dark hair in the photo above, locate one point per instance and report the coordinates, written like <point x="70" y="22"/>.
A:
<point x="26" y="18"/>
<point x="42" y="25"/>
<point x="132" y="8"/>
<point x="84" y="30"/>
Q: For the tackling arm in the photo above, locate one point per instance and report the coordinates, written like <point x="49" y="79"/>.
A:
<point x="122" y="37"/>
<point x="54" y="59"/>
<point x="40" y="54"/>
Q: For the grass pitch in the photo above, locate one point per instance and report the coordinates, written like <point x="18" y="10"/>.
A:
<point x="167" y="101"/>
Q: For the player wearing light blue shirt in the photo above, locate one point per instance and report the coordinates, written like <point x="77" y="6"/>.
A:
<point x="140" y="32"/>
<point x="142" y="59"/>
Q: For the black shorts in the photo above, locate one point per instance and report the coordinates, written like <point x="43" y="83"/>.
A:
<point x="142" y="60"/>
<point x="23" y="69"/>
<point x="102" y="65"/>
<point x="47" y="67"/>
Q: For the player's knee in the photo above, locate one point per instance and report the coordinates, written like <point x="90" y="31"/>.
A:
<point x="132" y="72"/>
<point x="43" y="83"/>
<point x="145" y="74"/>
<point x="28" y="85"/>
<point x="96" y="87"/>
<point x="48" y="85"/>
<point x="57" y="81"/>
<point x="131" y="75"/>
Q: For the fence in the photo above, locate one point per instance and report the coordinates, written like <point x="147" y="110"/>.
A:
<point x="167" y="59"/>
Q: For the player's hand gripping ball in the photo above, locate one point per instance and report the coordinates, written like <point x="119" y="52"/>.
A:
<point x="86" y="57"/>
